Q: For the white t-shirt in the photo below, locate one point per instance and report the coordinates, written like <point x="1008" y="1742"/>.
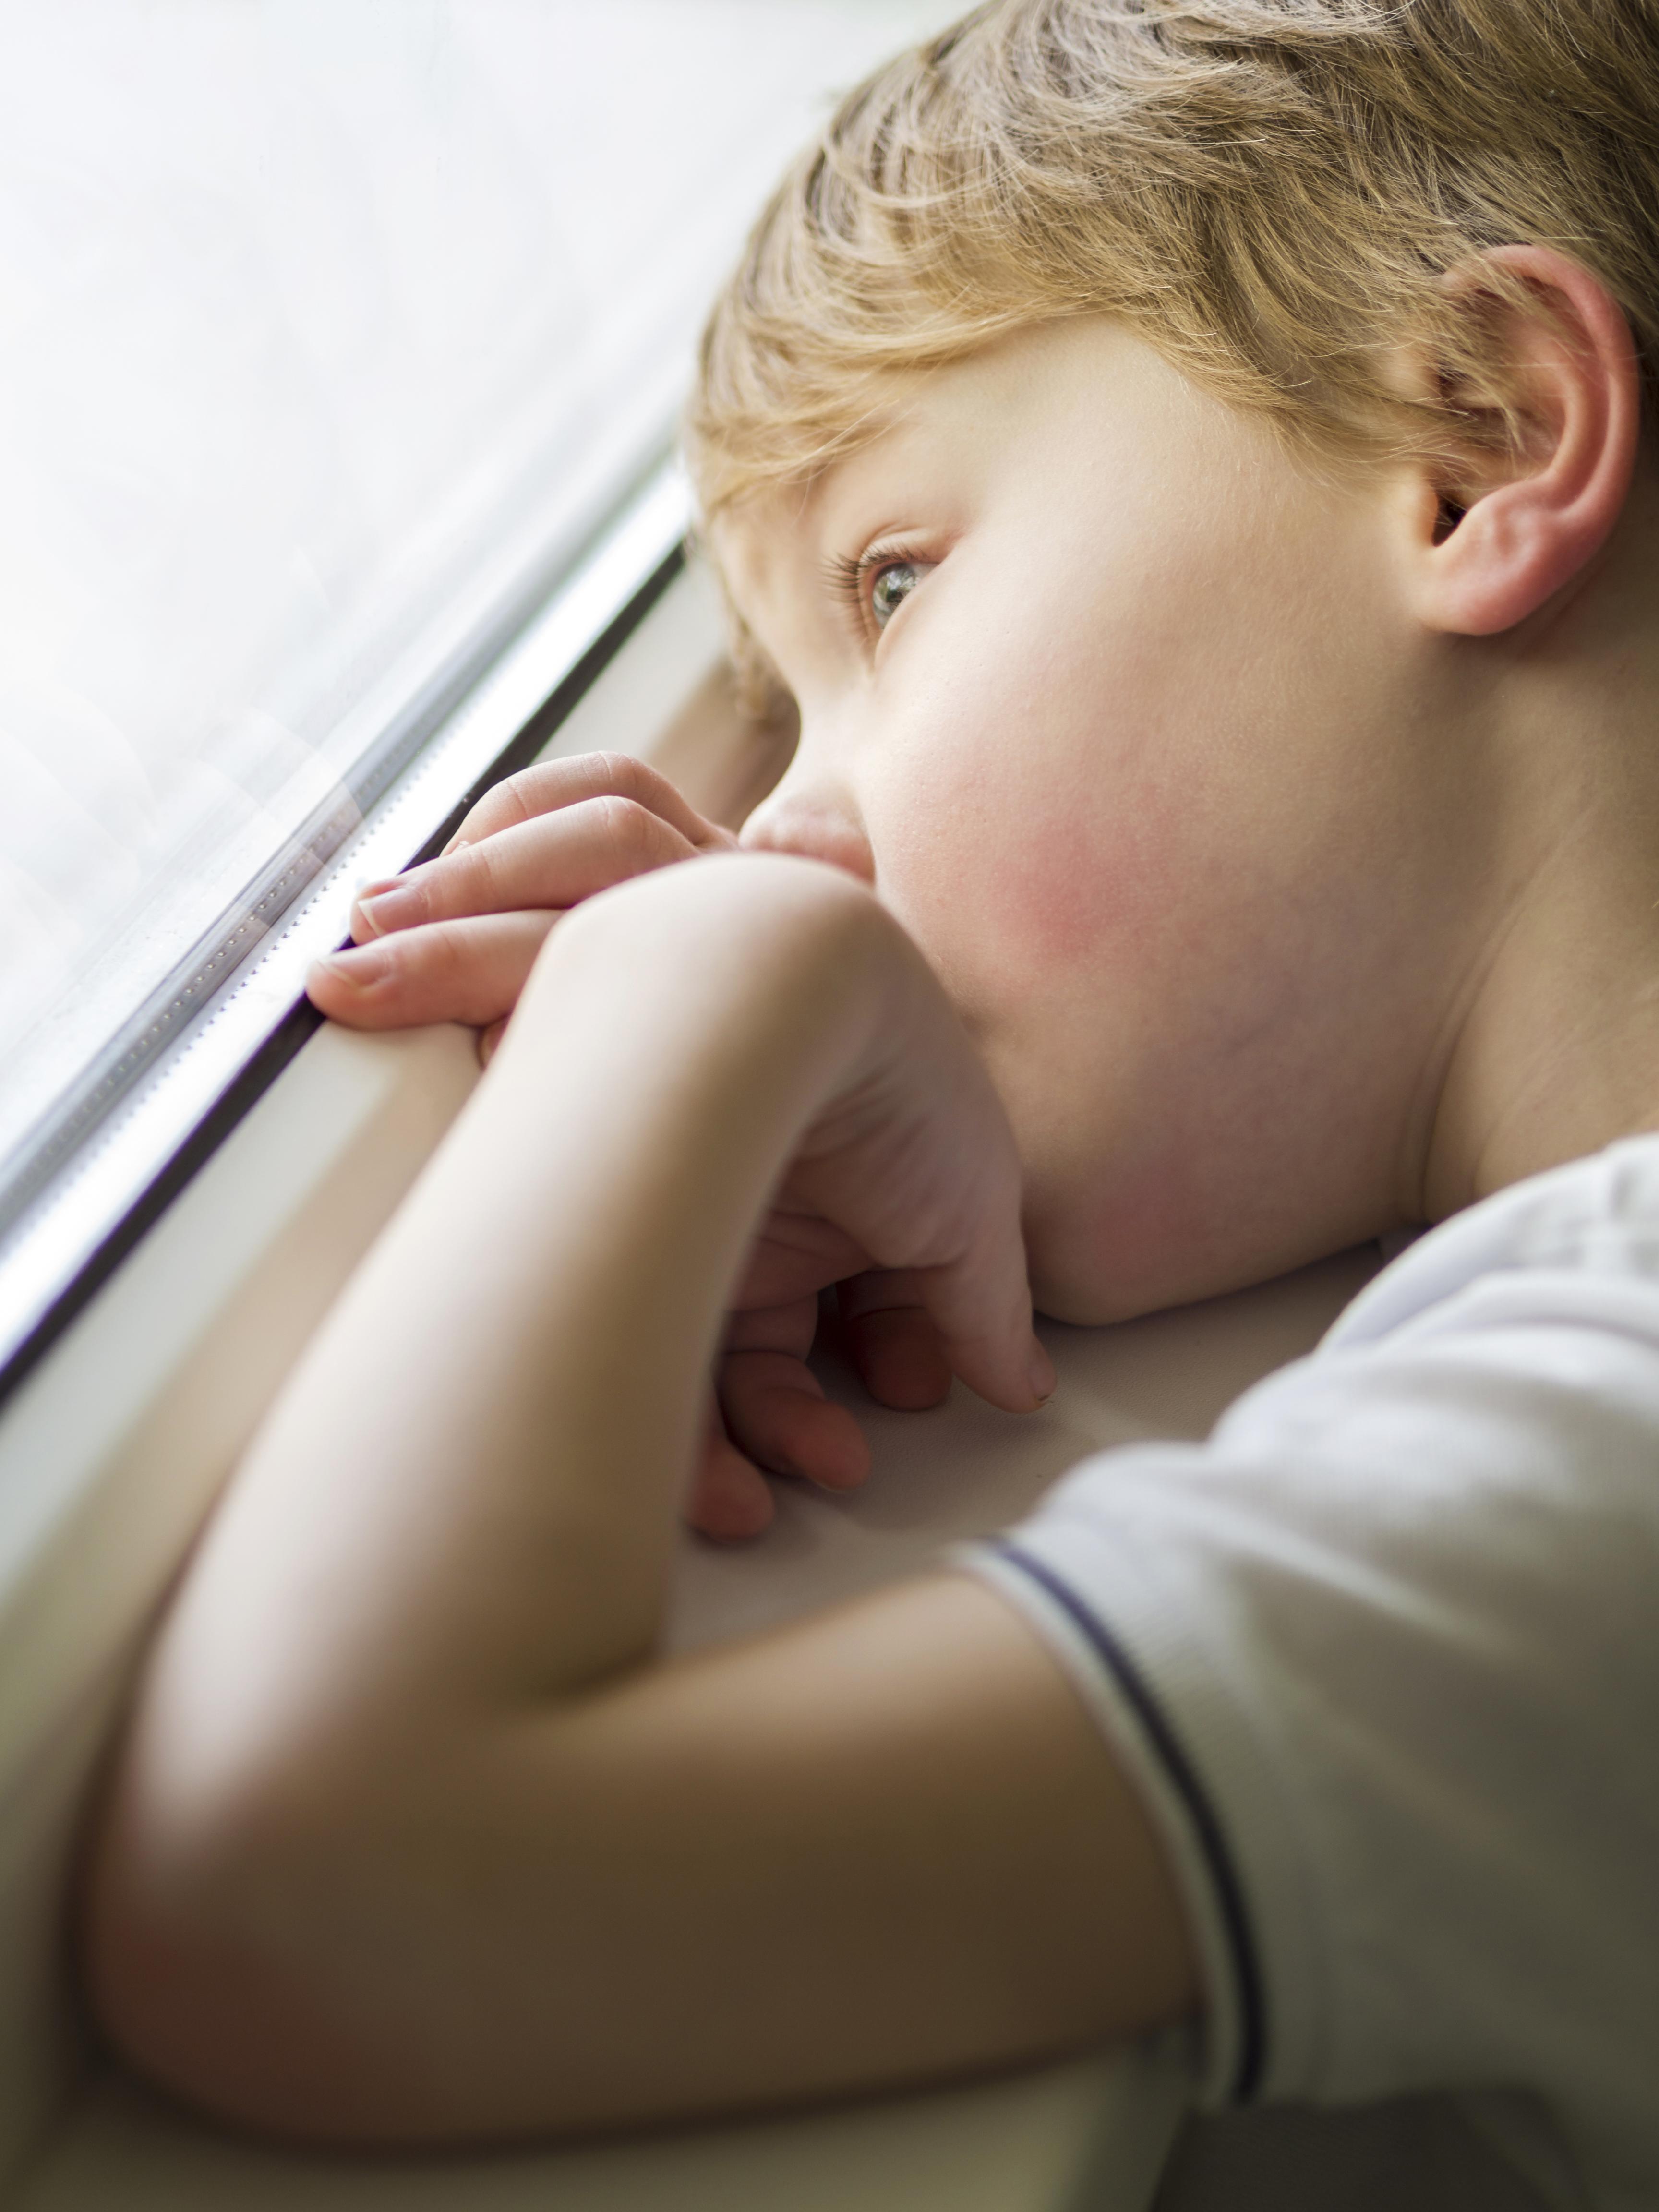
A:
<point x="1384" y="1655"/>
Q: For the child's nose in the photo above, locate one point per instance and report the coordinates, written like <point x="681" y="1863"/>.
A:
<point x="821" y="824"/>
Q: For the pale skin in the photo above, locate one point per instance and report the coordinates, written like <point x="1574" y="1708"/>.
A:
<point x="1255" y="867"/>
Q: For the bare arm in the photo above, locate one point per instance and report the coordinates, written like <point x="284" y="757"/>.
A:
<point x="410" y="1837"/>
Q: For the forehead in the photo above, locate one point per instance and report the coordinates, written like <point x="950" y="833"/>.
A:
<point x="940" y="438"/>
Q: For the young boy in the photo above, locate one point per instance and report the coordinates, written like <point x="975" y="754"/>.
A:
<point x="1187" y="464"/>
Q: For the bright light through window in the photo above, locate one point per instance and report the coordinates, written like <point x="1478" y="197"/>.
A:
<point x="324" y="326"/>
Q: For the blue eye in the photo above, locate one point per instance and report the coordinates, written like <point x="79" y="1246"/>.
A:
<point x="893" y="585"/>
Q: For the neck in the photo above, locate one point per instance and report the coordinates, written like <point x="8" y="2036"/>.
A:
<point x="1558" y="1052"/>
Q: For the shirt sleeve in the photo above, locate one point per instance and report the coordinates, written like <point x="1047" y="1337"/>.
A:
<point x="1384" y="1655"/>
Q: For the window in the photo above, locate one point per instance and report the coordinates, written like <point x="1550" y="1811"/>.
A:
<point x="333" y="333"/>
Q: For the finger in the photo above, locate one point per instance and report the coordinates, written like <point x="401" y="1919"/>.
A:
<point x="730" y="1497"/>
<point x="490" y="1039"/>
<point x="893" y="1341"/>
<point x="981" y="1304"/>
<point x="555" y="860"/>
<point x="550" y="785"/>
<point x="795" y="1252"/>
<point x="455" y="971"/>
<point x="787" y="1327"/>
<point x="777" y="1413"/>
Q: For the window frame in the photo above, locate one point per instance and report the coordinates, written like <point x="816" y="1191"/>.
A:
<point x="182" y="1074"/>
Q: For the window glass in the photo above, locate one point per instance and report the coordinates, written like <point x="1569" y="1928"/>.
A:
<point x="327" y="327"/>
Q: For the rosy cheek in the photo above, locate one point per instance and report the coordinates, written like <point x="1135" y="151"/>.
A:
<point x="1014" y="880"/>
<point x="1072" y="889"/>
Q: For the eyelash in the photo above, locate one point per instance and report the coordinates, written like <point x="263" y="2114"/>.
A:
<point x="849" y="579"/>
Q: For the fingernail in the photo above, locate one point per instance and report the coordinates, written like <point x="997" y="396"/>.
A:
<point x="1040" y="1371"/>
<point x="358" y="965"/>
<point x="397" y="909"/>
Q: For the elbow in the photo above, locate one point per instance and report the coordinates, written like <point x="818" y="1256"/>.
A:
<point x="224" y="1954"/>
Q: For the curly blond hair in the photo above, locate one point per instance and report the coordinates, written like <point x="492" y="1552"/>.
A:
<point x="1268" y="191"/>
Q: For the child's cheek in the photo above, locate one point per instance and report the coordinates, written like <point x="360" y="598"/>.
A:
<point x="1071" y="889"/>
<point x="1009" y="877"/>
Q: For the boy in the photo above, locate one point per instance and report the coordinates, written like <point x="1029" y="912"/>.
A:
<point x="1188" y="466"/>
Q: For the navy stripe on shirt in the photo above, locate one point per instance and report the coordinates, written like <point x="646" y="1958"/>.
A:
<point x="1218" y="1858"/>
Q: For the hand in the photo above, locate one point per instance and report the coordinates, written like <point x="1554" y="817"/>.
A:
<point x="783" y="976"/>
<point x="455" y="940"/>
<point x="769" y="1415"/>
<point x="775" y="1417"/>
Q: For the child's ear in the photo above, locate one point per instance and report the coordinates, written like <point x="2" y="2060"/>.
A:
<point x="1503" y="533"/>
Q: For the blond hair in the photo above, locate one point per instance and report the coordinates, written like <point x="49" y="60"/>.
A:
<point x="1268" y="191"/>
